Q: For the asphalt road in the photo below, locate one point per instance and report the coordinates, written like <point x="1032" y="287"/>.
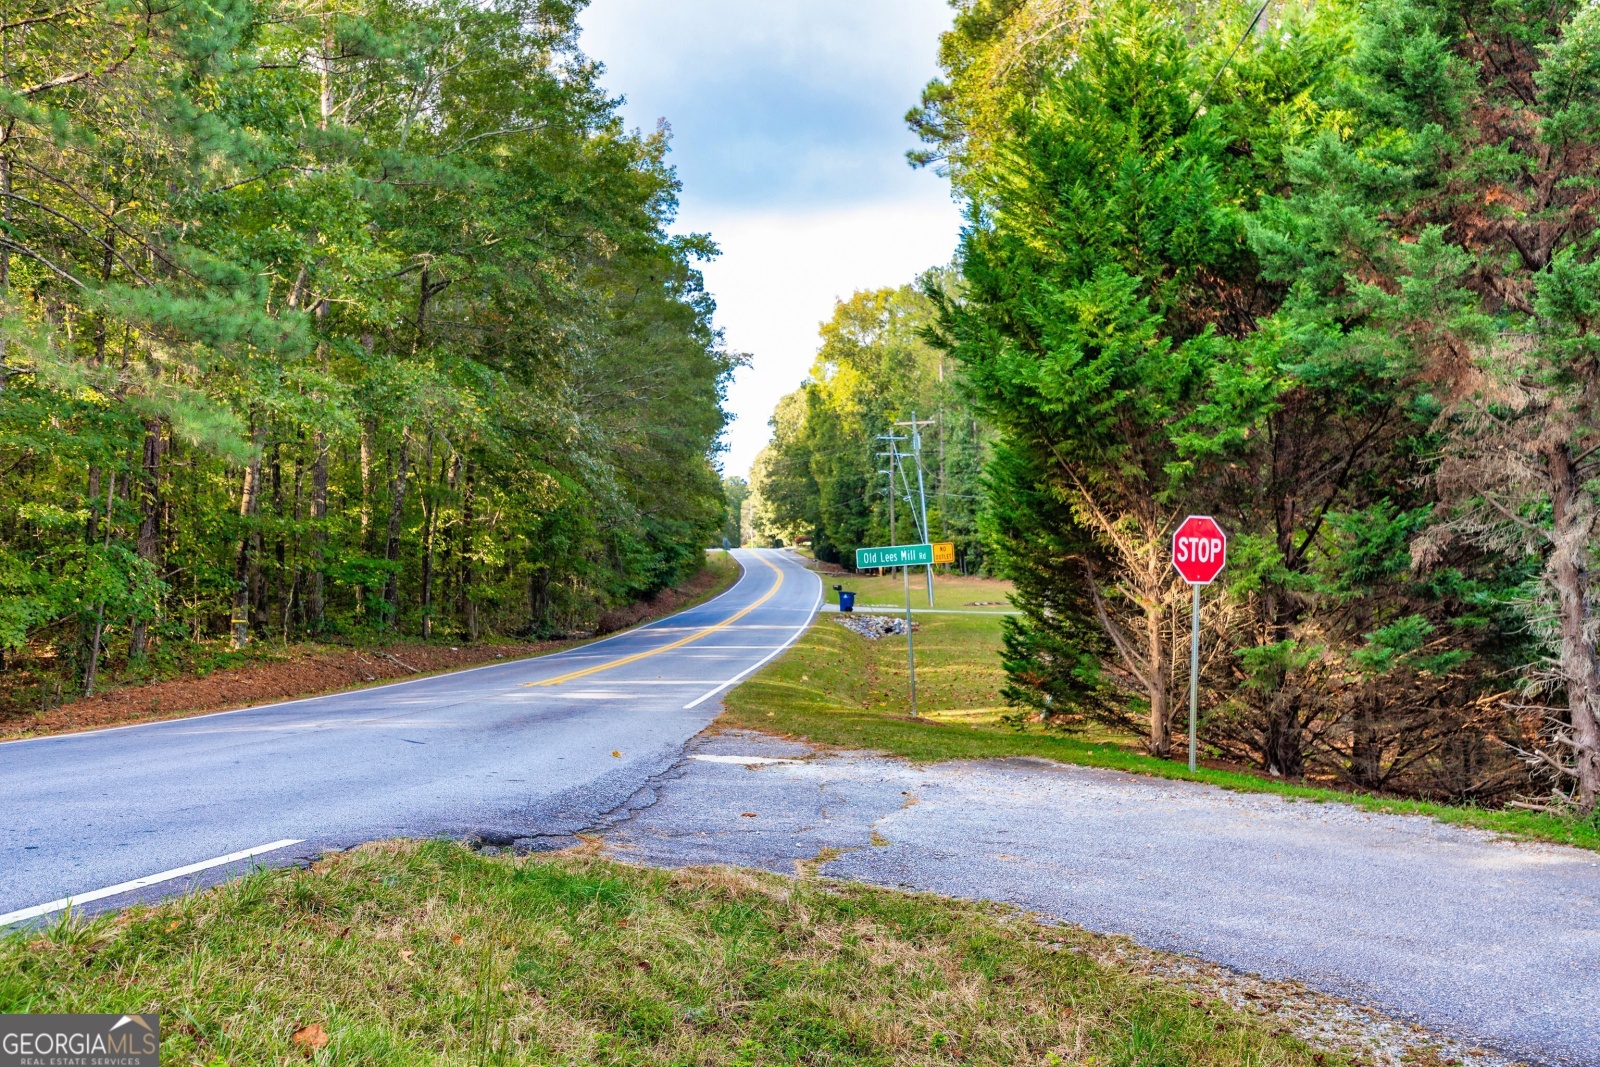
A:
<point x="524" y="749"/>
<point x="1486" y="941"/>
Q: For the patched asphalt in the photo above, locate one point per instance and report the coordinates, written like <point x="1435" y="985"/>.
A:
<point x="1485" y="940"/>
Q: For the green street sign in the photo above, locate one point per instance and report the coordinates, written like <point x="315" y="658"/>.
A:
<point x="894" y="556"/>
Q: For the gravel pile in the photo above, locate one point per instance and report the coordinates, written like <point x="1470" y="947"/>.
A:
<point x="873" y="626"/>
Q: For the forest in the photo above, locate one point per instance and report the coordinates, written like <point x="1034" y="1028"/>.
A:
<point x="330" y="317"/>
<point x="821" y="480"/>
<point x="1325" y="271"/>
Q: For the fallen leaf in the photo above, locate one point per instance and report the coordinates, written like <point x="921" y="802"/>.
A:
<point x="617" y="754"/>
<point x="405" y="955"/>
<point x="455" y="939"/>
<point x="1195" y="1003"/>
<point x="38" y="945"/>
<point x="310" y="1038"/>
<point x="747" y="815"/>
<point x="622" y="922"/>
<point x="644" y="965"/>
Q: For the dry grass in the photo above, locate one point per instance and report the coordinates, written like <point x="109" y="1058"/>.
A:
<point x="429" y="953"/>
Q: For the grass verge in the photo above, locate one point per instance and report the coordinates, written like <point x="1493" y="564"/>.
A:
<point x="428" y="953"/>
<point x="835" y="688"/>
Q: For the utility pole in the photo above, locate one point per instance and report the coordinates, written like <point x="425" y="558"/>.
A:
<point x="922" y="491"/>
<point x="894" y="455"/>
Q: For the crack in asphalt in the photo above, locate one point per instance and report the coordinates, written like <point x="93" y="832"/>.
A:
<point x="1476" y="938"/>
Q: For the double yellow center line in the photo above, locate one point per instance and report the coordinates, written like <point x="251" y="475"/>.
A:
<point x="637" y="656"/>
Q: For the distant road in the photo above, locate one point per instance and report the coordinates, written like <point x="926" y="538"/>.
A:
<point x="521" y="749"/>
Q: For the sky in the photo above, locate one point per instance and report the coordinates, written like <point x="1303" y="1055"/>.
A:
<point x="788" y="135"/>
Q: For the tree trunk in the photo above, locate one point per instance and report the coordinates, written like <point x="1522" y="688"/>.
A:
<point x="1572" y="522"/>
<point x="397" y="506"/>
<point x="315" y="604"/>
<point x="5" y="250"/>
<point x="242" y="567"/>
<point x="1159" y="677"/>
<point x="148" y="544"/>
<point x="469" y="605"/>
<point x="423" y="292"/>
<point x="449" y="574"/>
<point x="107" y="262"/>
<point x="1366" y="742"/>
<point x="429" y="507"/>
<point x="369" y="433"/>
<point x="1150" y="666"/>
<point x="539" y="601"/>
<point x="1283" y="742"/>
<point x="273" y="596"/>
<point x="1285" y="736"/>
<point x="100" y="612"/>
<point x="316" y="597"/>
<point x="91" y="527"/>
<point x="325" y="96"/>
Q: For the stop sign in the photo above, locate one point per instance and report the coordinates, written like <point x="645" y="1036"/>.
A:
<point x="1199" y="548"/>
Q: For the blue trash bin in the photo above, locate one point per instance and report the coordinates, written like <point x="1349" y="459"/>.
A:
<point x="847" y="600"/>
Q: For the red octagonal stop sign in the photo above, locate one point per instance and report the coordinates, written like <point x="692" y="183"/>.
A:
<point x="1199" y="549"/>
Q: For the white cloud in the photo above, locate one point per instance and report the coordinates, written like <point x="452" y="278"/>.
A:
<point x="790" y="141"/>
<point x="780" y="275"/>
<point x="798" y="100"/>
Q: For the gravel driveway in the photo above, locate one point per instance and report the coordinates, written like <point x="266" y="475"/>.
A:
<point x="1487" y="941"/>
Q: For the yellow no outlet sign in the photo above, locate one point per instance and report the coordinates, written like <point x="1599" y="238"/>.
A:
<point x="944" y="551"/>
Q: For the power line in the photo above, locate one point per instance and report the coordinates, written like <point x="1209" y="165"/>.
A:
<point x="1262" y="10"/>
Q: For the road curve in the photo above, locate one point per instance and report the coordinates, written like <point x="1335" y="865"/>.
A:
<point x="526" y="748"/>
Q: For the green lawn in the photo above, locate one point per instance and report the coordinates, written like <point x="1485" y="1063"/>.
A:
<point x="428" y="953"/>
<point x="835" y="688"/>
<point x="950" y="591"/>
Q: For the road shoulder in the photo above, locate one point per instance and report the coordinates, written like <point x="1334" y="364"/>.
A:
<point x="1216" y="883"/>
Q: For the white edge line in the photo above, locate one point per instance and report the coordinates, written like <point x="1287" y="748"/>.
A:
<point x="140" y="883"/>
<point x="821" y="593"/>
<point x="744" y="572"/>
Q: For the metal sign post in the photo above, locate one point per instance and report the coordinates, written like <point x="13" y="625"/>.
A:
<point x="905" y="557"/>
<point x="1199" y="551"/>
<point x="911" y="652"/>
<point x="1194" y="673"/>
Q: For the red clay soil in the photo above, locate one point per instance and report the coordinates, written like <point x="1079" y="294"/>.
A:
<point x="310" y="669"/>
